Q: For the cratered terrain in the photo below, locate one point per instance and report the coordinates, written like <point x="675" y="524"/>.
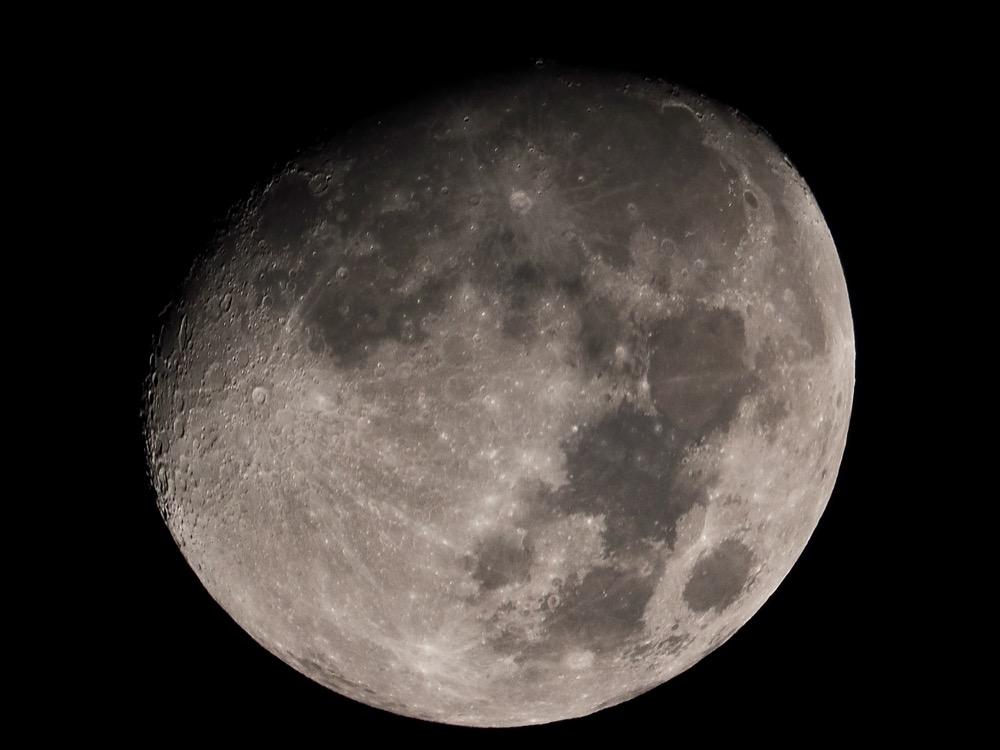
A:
<point x="511" y="404"/>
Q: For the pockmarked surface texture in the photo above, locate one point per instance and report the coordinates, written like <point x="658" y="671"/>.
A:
<point x="511" y="405"/>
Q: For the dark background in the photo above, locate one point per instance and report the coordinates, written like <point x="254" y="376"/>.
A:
<point x="192" y="133"/>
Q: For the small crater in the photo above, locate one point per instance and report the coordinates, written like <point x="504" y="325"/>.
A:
<point x="579" y="659"/>
<point x="520" y="202"/>
<point x="318" y="183"/>
<point x="751" y="199"/>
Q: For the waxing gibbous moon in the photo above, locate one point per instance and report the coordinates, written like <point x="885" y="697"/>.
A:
<point x="512" y="404"/>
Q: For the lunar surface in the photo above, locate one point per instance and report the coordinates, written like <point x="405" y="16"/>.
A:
<point x="512" y="404"/>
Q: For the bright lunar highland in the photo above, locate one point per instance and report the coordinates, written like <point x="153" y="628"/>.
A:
<point x="510" y="405"/>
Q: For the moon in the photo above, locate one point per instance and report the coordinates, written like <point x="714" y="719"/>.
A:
<point x="511" y="404"/>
